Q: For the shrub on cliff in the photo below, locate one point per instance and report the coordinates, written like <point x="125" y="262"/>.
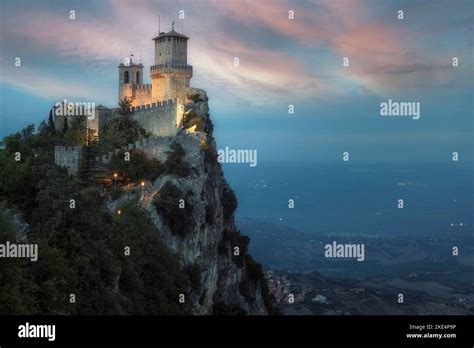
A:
<point x="229" y="201"/>
<point x="150" y="280"/>
<point x="254" y="269"/>
<point x="81" y="248"/>
<point x="244" y="289"/>
<point x="194" y="274"/>
<point x="167" y="203"/>
<point x="139" y="167"/>
<point x="229" y="241"/>
<point x="195" y="98"/>
<point x="175" y="163"/>
<point x="193" y="119"/>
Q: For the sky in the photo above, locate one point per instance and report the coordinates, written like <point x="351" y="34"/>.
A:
<point x="282" y="61"/>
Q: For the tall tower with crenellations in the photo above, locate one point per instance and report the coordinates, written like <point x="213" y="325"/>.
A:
<point x="171" y="73"/>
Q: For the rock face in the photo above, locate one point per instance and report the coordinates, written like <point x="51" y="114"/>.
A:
<point x="221" y="279"/>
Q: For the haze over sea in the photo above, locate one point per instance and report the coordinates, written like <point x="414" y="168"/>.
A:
<point x="357" y="197"/>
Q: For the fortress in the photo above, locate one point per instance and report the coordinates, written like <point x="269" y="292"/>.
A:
<point x="170" y="75"/>
<point x="159" y="107"/>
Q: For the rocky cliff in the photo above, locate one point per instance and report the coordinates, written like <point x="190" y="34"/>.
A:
<point x="224" y="279"/>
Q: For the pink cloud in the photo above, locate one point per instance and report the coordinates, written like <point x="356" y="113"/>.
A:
<point x="382" y="56"/>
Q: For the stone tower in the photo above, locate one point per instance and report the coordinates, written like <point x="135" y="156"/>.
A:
<point x="130" y="77"/>
<point x="171" y="73"/>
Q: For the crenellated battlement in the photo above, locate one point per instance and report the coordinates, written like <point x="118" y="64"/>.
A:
<point x="171" y="68"/>
<point x="134" y="87"/>
<point x="158" y="106"/>
<point x="157" y="147"/>
<point x="164" y="104"/>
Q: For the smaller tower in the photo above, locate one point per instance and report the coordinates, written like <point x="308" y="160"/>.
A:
<point x="130" y="76"/>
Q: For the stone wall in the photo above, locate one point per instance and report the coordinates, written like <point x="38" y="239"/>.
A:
<point x="68" y="157"/>
<point x="160" y="119"/>
<point x="95" y="123"/>
<point x="157" y="147"/>
<point x="140" y="94"/>
<point x="171" y="50"/>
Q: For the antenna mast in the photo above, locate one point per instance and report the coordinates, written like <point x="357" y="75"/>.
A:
<point x="159" y="30"/>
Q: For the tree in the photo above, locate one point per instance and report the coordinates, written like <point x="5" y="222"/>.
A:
<point x="175" y="163"/>
<point x="179" y="221"/>
<point x="139" y="167"/>
<point x="81" y="248"/>
<point x="77" y="133"/>
<point x="51" y="126"/>
<point x="120" y="131"/>
<point x="65" y="126"/>
<point x="124" y="105"/>
<point x="229" y="201"/>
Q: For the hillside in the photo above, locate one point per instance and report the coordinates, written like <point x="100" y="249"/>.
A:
<point x="160" y="239"/>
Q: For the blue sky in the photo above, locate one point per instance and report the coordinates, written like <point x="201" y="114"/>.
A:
<point x="282" y="62"/>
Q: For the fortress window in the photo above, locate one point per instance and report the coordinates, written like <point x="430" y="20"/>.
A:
<point x="125" y="77"/>
<point x="138" y="77"/>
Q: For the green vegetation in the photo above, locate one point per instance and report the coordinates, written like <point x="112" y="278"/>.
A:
<point x="210" y="154"/>
<point x="140" y="166"/>
<point x="175" y="163"/>
<point x="196" y="98"/>
<point x="233" y="239"/>
<point x="194" y="274"/>
<point x="254" y="274"/>
<point x="152" y="279"/>
<point x="229" y="201"/>
<point x="81" y="249"/>
<point x="124" y="106"/>
<point x="244" y="289"/>
<point x="167" y="203"/>
<point x="193" y="119"/>
<point x="76" y="133"/>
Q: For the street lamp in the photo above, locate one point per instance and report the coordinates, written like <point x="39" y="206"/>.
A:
<point x="115" y="179"/>
<point x="119" y="212"/>
<point x="143" y="186"/>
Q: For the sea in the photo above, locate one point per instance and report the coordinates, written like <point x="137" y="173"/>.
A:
<point x="357" y="197"/>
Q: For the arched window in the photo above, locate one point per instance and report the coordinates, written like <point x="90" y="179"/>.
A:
<point x="125" y="77"/>
<point x="138" y="77"/>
